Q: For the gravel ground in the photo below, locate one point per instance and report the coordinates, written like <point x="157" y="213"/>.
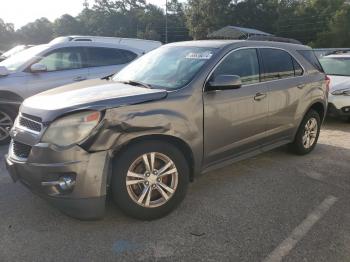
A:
<point x="239" y="213"/>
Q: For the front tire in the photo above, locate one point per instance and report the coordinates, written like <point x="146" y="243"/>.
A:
<point x="7" y="118"/>
<point x="307" y="134"/>
<point x="150" y="179"/>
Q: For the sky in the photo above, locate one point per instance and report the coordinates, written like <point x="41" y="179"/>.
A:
<point x="21" y="12"/>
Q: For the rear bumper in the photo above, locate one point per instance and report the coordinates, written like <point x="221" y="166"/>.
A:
<point x="86" y="199"/>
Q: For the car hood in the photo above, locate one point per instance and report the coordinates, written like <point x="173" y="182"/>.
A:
<point x="339" y="82"/>
<point x="88" y="95"/>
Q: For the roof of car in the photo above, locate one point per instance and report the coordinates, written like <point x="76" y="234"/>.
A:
<point x="224" y="43"/>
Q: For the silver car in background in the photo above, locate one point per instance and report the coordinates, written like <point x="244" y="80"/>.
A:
<point x="337" y="67"/>
<point x="63" y="61"/>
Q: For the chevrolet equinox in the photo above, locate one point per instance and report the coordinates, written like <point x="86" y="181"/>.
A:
<point x="181" y="110"/>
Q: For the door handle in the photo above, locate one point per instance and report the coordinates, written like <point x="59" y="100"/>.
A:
<point x="79" y="78"/>
<point x="259" y="96"/>
<point x="301" y="86"/>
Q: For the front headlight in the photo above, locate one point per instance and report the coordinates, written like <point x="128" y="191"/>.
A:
<point x="344" y="92"/>
<point x="71" y="129"/>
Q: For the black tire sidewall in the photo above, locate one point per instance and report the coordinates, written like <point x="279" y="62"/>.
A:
<point x="11" y="112"/>
<point x="298" y="145"/>
<point x="120" y="169"/>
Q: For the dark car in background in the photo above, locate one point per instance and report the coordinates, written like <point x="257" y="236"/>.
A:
<point x="181" y="110"/>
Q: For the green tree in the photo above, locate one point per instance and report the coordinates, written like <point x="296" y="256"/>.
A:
<point x="8" y="37"/>
<point x="38" y="32"/>
<point x="338" y="33"/>
<point x="204" y="16"/>
<point x="66" y="25"/>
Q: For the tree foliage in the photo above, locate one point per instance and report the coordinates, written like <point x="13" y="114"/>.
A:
<point x="321" y="23"/>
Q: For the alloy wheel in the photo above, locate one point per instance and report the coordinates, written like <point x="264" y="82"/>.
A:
<point x="5" y="124"/>
<point x="152" y="179"/>
<point x="310" y="133"/>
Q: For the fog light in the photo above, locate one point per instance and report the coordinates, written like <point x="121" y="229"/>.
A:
<point x="64" y="183"/>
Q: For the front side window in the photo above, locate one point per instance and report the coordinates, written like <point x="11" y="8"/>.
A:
<point x="278" y="64"/>
<point x="336" y="65"/>
<point x="63" y="59"/>
<point x="243" y="63"/>
<point x="168" y="67"/>
<point x="100" y="56"/>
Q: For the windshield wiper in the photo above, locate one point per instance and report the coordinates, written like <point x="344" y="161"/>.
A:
<point x="136" y="83"/>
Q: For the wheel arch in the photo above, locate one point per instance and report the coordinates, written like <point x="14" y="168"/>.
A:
<point x="319" y="108"/>
<point x="8" y="97"/>
<point x="175" y="141"/>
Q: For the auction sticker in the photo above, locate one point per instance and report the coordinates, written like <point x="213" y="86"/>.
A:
<point x="203" y="55"/>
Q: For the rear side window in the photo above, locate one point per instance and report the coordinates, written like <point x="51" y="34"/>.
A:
<point x="109" y="56"/>
<point x="243" y="63"/>
<point x="310" y="56"/>
<point x="278" y="64"/>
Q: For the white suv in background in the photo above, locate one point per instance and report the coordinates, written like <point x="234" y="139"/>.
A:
<point x="62" y="61"/>
<point x="337" y="67"/>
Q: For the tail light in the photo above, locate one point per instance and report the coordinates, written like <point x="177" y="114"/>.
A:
<point x="328" y="82"/>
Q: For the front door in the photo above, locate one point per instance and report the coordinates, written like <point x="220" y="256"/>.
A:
<point x="64" y="66"/>
<point x="235" y="120"/>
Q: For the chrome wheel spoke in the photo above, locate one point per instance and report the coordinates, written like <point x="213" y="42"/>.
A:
<point x="148" y="198"/>
<point x="172" y="171"/>
<point x="163" y="193"/>
<point x="134" y="182"/>
<point x="164" y="168"/>
<point x="135" y="175"/>
<point x="144" y="192"/>
<point x="170" y="190"/>
<point x="146" y="163"/>
<point x="153" y="159"/>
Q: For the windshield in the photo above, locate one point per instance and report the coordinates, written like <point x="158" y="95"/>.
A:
<point x="336" y="65"/>
<point x="166" y="67"/>
<point x="17" y="60"/>
<point x="13" y="51"/>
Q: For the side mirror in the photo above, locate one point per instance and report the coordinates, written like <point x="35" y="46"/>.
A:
<point x="36" y="68"/>
<point x="225" y="82"/>
<point x="4" y="71"/>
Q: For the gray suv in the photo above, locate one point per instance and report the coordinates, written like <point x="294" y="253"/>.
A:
<point x="179" y="111"/>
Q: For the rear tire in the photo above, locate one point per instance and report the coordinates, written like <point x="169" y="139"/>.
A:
<point x="7" y="118"/>
<point x="307" y="135"/>
<point x="144" y="191"/>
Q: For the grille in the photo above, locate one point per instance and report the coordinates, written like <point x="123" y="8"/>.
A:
<point x="30" y="124"/>
<point x="21" y="150"/>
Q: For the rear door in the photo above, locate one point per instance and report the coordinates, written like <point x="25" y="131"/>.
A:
<point x="103" y="61"/>
<point x="282" y="76"/>
<point x="64" y="66"/>
<point x="235" y="120"/>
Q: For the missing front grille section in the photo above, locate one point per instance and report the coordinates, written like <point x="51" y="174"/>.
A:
<point x="21" y="150"/>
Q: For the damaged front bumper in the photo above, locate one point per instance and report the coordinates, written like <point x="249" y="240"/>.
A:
<point x="72" y="179"/>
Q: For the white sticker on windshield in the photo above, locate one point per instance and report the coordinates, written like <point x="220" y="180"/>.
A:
<point x="204" y="55"/>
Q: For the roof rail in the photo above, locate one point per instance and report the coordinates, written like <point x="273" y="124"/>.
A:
<point x="274" y="39"/>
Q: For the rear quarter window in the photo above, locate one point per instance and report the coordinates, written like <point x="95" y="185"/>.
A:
<point x="310" y="56"/>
